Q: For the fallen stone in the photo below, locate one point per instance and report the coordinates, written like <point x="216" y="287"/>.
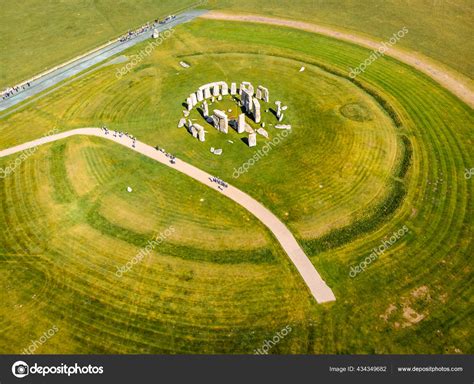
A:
<point x="252" y="140"/>
<point x="218" y="152"/>
<point x="262" y="132"/>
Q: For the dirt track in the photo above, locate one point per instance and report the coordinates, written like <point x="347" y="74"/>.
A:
<point x="454" y="85"/>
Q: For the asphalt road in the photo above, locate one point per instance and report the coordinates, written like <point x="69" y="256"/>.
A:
<point x="82" y="63"/>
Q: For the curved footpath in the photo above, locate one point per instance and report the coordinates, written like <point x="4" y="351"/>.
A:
<point x="319" y="289"/>
<point x="449" y="82"/>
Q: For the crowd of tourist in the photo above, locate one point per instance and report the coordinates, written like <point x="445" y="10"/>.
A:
<point x="144" y="28"/>
<point x="10" y="91"/>
<point x="120" y="134"/>
<point x="220" y="183"/>
<point x="168" y="155"/>
<point x="131" y="34"/>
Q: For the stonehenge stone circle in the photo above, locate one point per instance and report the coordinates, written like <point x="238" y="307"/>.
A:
<point x="250" y="101"/>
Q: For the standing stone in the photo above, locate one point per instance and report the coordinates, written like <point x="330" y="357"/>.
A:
<point x="221" y="121"/>
<point x="281" y="117"/>
<point x="199" y="94"/>
<point x="188" y="102"/>
<point x="241" y="123"/>
<point x="207" y="93"/>
<point x="252" y="139"/>
<point x="258" y="94"/>
<point x="215" y="91"/>
<point x="202" y="135"/>
<point x="200" y="132"/>
<point x="233" y="89"/>
<point x="225" y="89"/>
<point x="278" y="104"/>
<point x="265" y="94"/>
<point x="248" y="86"/>
<point x="194" y="131"/>
<point x="181" y="123"/>
<point x="193" y="99"/>
<point x="256" y="110"/>
<point x="205" y="109"/>
<point x="247" y="100"/>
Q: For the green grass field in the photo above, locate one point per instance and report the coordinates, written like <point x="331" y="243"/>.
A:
<point x="201" y="290"/>
<point x="38" y="35"/>
<point x="450" y="44"/>
<point x="58" y="32"/>
<point x="221" y="284"/>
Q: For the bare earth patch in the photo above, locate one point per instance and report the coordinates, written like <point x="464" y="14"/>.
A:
<point x="405" y="314"/>
<point x="411" y="316"/>
<point x="391" y="308"/>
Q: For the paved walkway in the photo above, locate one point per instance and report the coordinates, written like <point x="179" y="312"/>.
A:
<point x="447" y="80"/>
<point x="319" y="289"/>
<point x="75" y="66"/>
